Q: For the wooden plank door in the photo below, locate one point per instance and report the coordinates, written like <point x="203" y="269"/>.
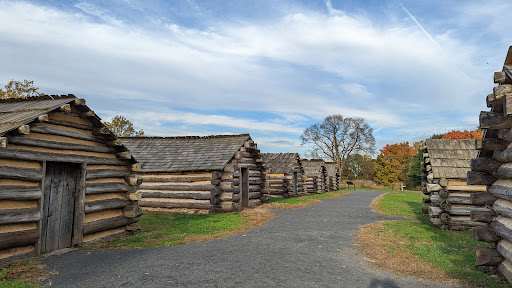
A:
<point x="244" y="187"/>
<point x="60" y="191"/>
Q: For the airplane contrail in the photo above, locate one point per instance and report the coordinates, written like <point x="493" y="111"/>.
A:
<point x="419" y="25"/>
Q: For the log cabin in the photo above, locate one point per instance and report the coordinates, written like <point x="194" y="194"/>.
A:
<point x="65" y="180"/>
<point x="333" y="176"/>
<point x="315" y="176"/>
<point x="194" y="174"/>
<point x="493" y="168"/>
<point x="447" y="163"/>
<point x="284" y="174"/>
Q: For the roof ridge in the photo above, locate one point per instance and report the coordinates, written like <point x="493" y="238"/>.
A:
<point x="187" y="137"/>
<point x="37" y="98"/>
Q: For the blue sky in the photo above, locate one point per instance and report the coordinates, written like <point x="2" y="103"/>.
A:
<point x="265" y="67"/>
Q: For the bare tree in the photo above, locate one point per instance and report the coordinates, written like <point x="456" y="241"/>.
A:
<point x="337" y="137"/>
<point x="123" y="127"/>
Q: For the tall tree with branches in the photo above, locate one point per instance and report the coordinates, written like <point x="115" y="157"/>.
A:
<point x="336" y="138"/>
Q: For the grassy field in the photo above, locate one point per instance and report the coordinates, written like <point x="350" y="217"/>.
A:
<point x="415" y="247"/>
<point x="161" y="229"/>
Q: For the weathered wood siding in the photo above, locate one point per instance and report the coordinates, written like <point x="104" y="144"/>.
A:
<point x="107" y="203"/>
<point x="178" y="192"/>
<point x="230" y="196"/>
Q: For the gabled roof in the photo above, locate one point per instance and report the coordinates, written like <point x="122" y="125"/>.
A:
<point x="313" y="167"/>
<point x="331" y="168"/>
<point x="280" y="163"/>
<point x="185" y="154"/>
<point x="21" y="111"/>
<point x="451" y="158"/>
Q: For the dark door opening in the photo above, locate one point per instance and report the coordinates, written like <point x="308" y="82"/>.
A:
<point x="60" y="190"/>
<point x="244" y="187"/>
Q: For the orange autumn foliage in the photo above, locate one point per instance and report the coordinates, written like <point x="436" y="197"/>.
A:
<point x="393" y="163"/>
<point x="457" y="135"/>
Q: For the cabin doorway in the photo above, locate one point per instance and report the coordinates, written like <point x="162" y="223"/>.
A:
<point x="61" y="188"/>
<point x="295" y="192"/>
<point x="244" y="187"/>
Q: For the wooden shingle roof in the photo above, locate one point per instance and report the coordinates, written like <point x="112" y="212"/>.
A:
<point x="279" y="163"/>
<point x="312" y="167"/>
<point x="21" y="111"/>
<point x="185" y="154"/>
<point x="451" y="158"/>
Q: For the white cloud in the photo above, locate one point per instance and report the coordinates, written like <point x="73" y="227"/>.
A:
<point x="300" y="67"/>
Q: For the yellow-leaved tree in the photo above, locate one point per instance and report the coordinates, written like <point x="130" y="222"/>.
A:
<point x="122" y="127"/>
<point x="19" y="89"/>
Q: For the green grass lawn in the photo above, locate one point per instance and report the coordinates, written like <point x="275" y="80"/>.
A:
<point x="21" y="275"/>
<point x="160" y="229"/>
<point x="449" y="251"/>
<point x="301" y="201"/>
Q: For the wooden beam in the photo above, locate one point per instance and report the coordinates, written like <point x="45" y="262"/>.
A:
<point x="14" y="192"/>
<point x="482" y="198"/>
<point x="79" y="102"/>
<point x="59" y="145"/>
<point x="482" y="216"/>
<point x="132" y="211"/>
<point x="13" y="216"/>
<point x="65" y="108"/>
<point x="98" y="188"/>
<point x="502" y="188"/>
<point x="479" y="178"/>
<point x="487" y="257"/>
<point x="107" y="224"/>
<point x="177" y="187"/>
<point x="18" y="238"/>
<point x="500" y="77"/>
<point x="503" y="207"/>
<point x="492" y="144"/>
<point x="126" y="155"/>
<point x="20" y="154"/>
<point x="107" y="173"/>
<point x="18" y="173"/>
<point x="60" y="132"/>
<point x="43" y="118"/>
<point x="106" y="204"/>
<point x="492" y="120"/>
<point x="502" y="226"/>
<point x="23" y="130"/>
<point x="485" y="234"/>
<point x="507" y="104"/>
<point x="3" y="142"/>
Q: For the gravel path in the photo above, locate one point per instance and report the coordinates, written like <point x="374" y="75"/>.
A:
<point x="308" y="247"/>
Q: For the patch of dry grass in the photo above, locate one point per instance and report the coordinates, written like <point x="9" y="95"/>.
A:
<point x="390" y="253"/>
<point x="27" y="273"/>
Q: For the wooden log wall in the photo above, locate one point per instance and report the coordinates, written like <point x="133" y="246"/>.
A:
<point x="494" y="168"/>
<point x="229" y="193"/>
<point x="450" y="204"/>
<point x="189" y="192"/>
<point x="310" y="184"/>
<point x="110" y="197"/>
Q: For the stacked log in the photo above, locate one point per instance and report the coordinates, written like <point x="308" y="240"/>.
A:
<point x="199" y="174"/>
<point x="315" y="176"/>
<point x="284" y="174"/>
<point x="333" y="176"/>
<point x="61" y="135"/>
<point x="446" y="164"/>
<point x="493" y="168"/>
<point x="248" y="157"/>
